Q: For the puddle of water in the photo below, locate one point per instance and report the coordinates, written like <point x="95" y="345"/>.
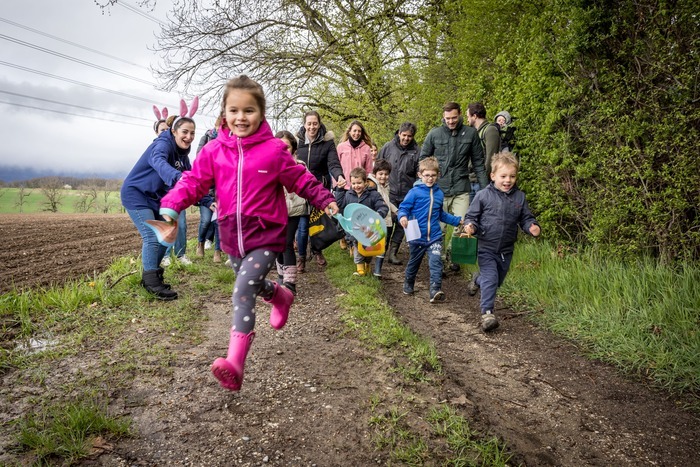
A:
<point x="35" y="345"/>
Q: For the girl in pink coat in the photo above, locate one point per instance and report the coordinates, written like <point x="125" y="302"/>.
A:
<point x="354" y="150"/>
<point x="250" y="169"/>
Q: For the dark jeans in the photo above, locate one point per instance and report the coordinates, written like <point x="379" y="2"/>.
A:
<point x="288" y="258"/>
<point x="434" y="251"/>
<point x="493" y="268"/>
<point x="303" y="235"/>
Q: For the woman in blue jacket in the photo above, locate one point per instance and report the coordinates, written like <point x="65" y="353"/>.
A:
<point x="156" y="172"/>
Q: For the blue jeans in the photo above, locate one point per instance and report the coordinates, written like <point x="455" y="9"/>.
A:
<point x="417" y="252"/>
<point x="493" y="268"/>
<point x="180" y="245"/>
<point x="206" y="224"/>
<point x="152" y="252"/>
<point x="303" y="235"/>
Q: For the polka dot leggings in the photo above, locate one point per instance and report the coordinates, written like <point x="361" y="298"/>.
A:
<point x="250" y="282"/>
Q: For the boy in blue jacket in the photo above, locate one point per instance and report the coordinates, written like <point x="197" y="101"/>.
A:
<point x="360" y="192"/>
<point x="494" y="216"/>
<point x="424" y="203"/>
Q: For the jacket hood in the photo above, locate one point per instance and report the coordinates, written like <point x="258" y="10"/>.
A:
<point x="323" y="135"/>
<point x="506" y="115"/>
<point x="228" y="139"/>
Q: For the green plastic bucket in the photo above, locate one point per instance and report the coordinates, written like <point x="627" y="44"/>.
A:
<point x="463" y="250"/>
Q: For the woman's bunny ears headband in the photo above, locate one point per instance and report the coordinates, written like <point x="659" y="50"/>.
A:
<point x="162" y="116"/>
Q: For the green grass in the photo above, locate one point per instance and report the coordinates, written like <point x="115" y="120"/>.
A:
<point x="641" y="316"/>
<point x="374" y="321"/>
<point x="369" y="316"/>
<point x="119" y="324"/>
<point x="467" y="447"/>
<point x="68" y="432"/>
<point x="35" y="201"/>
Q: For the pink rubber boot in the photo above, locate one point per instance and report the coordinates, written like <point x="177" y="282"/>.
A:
<point x="282" y="299"/>
<point x="229" y="370"/>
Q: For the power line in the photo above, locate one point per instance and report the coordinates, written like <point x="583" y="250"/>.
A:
<point x="36" y="31"/>
<point x="138" y="11"/>
<point x="91" y="86"/>
<point x="69" y="113"/>
<point x="77" y="60"/>
<point x="73" y="105"/>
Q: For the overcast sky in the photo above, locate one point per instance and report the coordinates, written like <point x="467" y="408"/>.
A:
<point x="44" y="55"/>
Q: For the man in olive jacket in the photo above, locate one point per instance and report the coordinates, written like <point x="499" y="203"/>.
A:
<point x="455" y="145"/>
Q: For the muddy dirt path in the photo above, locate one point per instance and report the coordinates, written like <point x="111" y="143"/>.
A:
<point x="311" y="388"/>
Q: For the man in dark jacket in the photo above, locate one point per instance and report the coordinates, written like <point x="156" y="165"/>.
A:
<point x="402" y="153"/>
<point x="455" y="145"/>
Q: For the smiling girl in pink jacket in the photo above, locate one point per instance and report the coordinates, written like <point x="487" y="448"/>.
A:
<point x="250" y="169"/>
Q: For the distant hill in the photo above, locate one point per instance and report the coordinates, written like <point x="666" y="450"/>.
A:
<point x="9" y="174"/>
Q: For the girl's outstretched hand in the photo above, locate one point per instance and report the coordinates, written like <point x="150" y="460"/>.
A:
<point x="332" y="209"/>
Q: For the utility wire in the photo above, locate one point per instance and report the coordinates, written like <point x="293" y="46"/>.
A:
<point x="36" y="31"/>
<point x="69" y="113"/>
<point x="91" y="86"/>
<point x="77" y="60"/>
<point x="73" y="105"/>
<point x="138" y="11"/>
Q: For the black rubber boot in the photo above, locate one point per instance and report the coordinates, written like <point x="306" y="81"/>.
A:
<point x="154" y="284"/>
<point x="378" y="262"/>
<point x="393" y="252"/>
<point x="161" y="271"/>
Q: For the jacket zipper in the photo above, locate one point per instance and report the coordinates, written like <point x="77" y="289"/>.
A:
<point x="239" y="202"/>
<point x="430" y="212"/>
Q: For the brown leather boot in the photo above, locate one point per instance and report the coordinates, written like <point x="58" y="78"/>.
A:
<point x="217" y="256"/>
<point x="301" y="264"/>
<point x="200" y="250"/>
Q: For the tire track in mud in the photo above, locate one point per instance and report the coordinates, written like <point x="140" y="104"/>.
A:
<point x="551" y="405"/>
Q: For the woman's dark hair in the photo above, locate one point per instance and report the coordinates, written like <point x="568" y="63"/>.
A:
<point x="312" y="113"/>
<point x="157" y="124"/>
<point x="175" y="121"/>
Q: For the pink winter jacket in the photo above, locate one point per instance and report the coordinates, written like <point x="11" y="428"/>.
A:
<point x="249" y="175"/>
<point x="354" y="157"/>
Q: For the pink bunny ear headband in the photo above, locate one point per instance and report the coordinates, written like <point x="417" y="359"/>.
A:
<point x="183" y="109"/>
<point x="160" y="116"/>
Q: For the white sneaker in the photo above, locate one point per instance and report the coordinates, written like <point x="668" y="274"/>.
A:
<point x="184" y="260"/>
<point x="165" y="262"/>
<point x="208" y="244"/>
<point x="228" y="262"/>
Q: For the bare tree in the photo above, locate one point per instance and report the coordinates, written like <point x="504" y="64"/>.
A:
<point x="52" y="189"/>
<point x="87" y="200"/>
<point x="348" y="58"/>
<point x="22" y="193"/>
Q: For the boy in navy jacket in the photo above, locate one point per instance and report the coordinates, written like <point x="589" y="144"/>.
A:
<point x="494" y="216"/>
<point x="424" y="203"/>
<point x="360" y="192"/>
